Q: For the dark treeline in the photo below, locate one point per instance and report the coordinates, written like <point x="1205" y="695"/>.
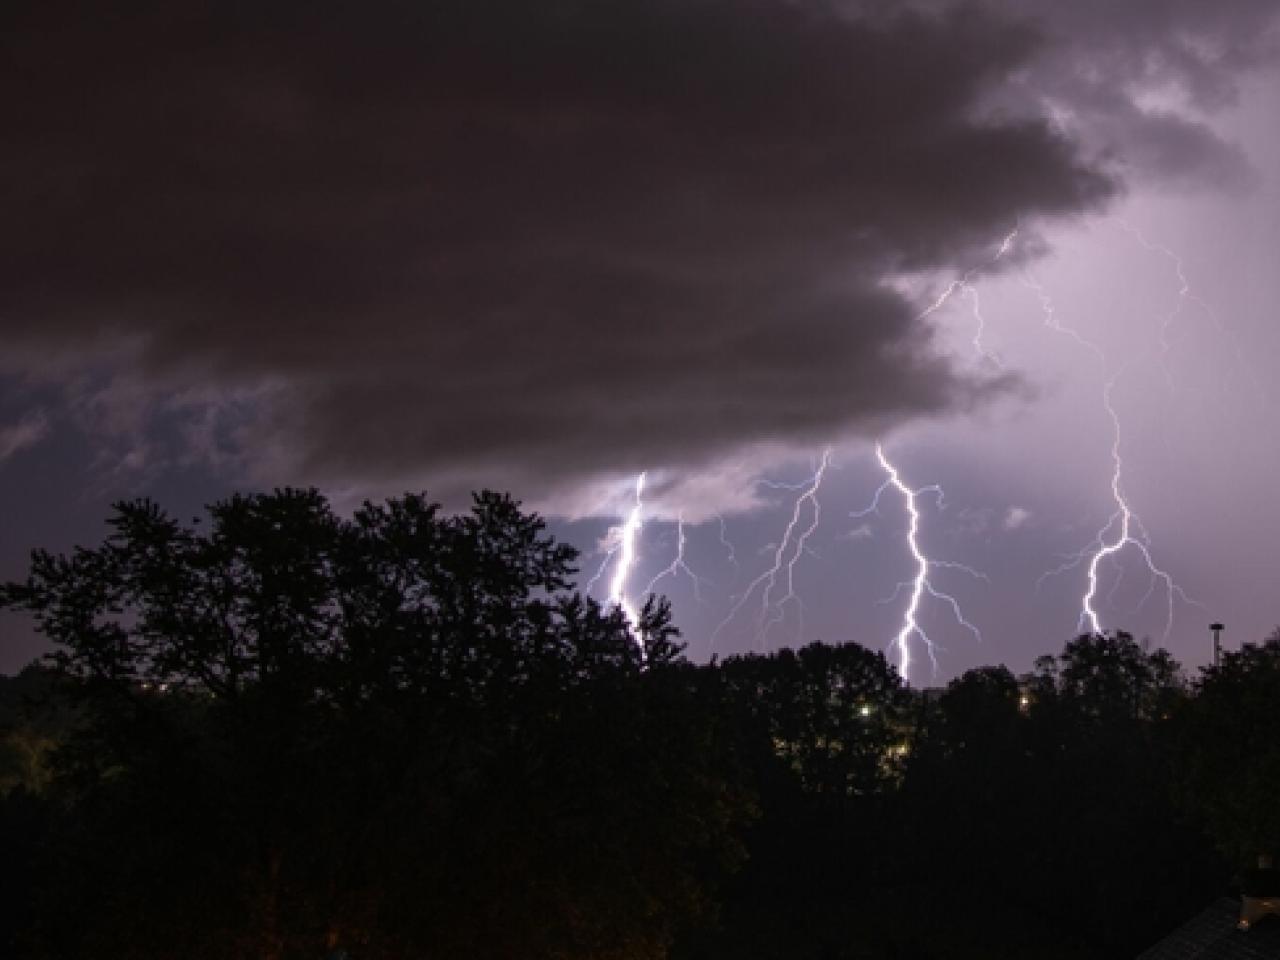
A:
<point x="282" y="733"/>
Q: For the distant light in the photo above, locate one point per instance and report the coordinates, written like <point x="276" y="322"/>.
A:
<point x="865" y="710"/>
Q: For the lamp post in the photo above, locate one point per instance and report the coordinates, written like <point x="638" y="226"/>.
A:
<point x="1217" y="629"/>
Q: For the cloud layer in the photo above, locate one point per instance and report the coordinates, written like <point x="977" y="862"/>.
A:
<point x="527" y="244"/>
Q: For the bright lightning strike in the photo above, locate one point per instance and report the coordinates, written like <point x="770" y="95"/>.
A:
<point x="1118" y="532"/>
<point x="1122" y="524"/>
<point x="627" y="556"/>
<point x="791" y="547"/>
<point x="623" y="547"/>
<point x="920" y="584"/>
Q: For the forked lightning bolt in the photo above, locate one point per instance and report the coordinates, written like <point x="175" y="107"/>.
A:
<point x="920" y="584"/>
<point x="964" y="286"/>
<point x="1123" y="528"/>
<point x="623" y="551"/>
<point x="627" y="556"/>
<point x="678" y="565"/>
<point x="791" y="547"/>
<point x="1122" y="521"/>
<point x="1185" y="295"/>
<point x="622" y="542"/>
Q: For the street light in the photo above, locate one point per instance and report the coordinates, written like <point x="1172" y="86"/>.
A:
<point x="1217" y="629"/>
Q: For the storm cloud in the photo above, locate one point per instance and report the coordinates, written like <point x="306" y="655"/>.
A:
<point x="529" y="244"/>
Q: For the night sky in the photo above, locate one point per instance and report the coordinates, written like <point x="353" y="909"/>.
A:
<point x="546" y="247"/>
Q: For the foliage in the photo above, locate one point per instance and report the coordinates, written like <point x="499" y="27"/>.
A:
<point x="285" y="733"/>
<point x="831" y="715"/>
<point x="1062" y="781"/>
<point x="1230" y="755"/>
<point x="396" y="733"/>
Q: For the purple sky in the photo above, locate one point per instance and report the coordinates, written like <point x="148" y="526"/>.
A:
<point x="547" y="248"/>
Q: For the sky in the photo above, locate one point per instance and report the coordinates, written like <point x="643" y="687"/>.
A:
<point x="1025" y="249"/>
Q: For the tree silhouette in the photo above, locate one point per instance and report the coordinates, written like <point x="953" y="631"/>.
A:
<point x="398" y="733"/>
<point x="1230" y="758"/>
<point x="401" y="733"/>
<point x="832" y="715"/>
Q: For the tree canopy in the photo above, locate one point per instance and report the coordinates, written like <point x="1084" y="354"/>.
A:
<point x="1230" y="752"/>
<point x="277" y="731"/>
<point x="394" y="733"/>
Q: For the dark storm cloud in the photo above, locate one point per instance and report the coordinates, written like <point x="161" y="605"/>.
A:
<point x="514" y="239"/>
<point x="1142" y="80"/>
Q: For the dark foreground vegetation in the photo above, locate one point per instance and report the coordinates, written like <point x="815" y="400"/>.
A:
<point x="286" y="734"/>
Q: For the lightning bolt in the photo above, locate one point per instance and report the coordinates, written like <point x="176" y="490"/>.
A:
<point x="726" y="542"/>
<point x="678" y="565"/>
<point x="1118" y="533"/>
<point x="623" y="547"/>
<point x="1123" y="528"/>
<point x="1050" y="319"/>
<point x="1186" y="295"/>
<point x="965" y="287"/>
<point x="627" y="556"/>
<point x="791" y="547"/>
<point x="920" y="584"/>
